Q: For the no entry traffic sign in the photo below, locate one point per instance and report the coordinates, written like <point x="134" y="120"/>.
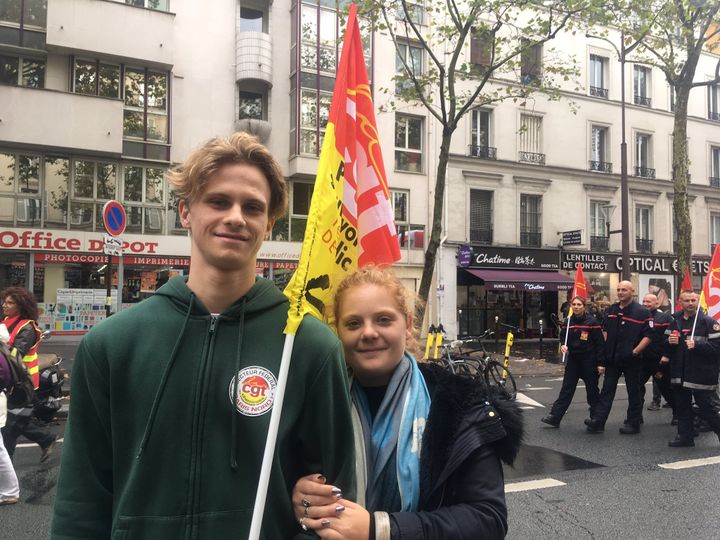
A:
<point x="114" y="218"/>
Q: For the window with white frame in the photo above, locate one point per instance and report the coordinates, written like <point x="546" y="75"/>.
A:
<point x="598" y="149"/>
<point x="598" y="75"/>
<point x="643" y="228"/>
<point x="408" y="64"/>
<point x="480" y="134"/>
<point x="410" y="235"/>
<point x="531" y="143"/>
<point x="291" y="227"/>
<point x="144" y="198"/>
<point x="715" y="166"/>
<point x="530" y="220"/>
<point x="714" y="230"/>
<point x="408" y="143"/>
<point x="714" y="102"/>
<point x="598" y="218"/>
<point x="481" y="216"/>
<point x="641" y="85"/>
<point x="643" y="155"/>
<point x="314" y="114"/>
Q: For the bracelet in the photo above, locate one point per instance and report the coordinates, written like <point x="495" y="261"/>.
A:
<point x="382" y="526"/>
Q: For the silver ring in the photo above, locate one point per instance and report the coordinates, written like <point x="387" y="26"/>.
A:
<point x="305" y="502"/>
<point x="302" y="524"/>
<point x="307" y="508"/>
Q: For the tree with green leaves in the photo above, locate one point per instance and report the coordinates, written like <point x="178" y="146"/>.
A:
<point x="673" y="35"/>
<point x="505" y="39"/>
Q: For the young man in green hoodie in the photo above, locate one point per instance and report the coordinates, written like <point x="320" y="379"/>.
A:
<point x="171" y="399"/>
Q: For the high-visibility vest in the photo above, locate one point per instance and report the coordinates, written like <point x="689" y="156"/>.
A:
<point x="31" y="357"/>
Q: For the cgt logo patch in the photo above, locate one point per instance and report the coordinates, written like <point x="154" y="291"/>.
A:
<point x="255" y="391"/>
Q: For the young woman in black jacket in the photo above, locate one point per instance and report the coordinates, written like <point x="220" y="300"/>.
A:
<point x="428" y="443"/>
<point x="583" y="352"/>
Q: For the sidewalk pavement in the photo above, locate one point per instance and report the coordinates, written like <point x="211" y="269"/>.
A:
<point x="535" y="367"/>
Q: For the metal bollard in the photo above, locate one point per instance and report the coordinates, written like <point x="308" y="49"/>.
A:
<point x="541" y="339"/>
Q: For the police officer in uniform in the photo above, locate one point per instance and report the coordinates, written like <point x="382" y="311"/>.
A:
<point x="693" y="358"/>
<point x="659" y="325"/>
<point x="627" y="334"/>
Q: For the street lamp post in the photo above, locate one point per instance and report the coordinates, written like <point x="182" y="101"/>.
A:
<point x="624" y="190"/>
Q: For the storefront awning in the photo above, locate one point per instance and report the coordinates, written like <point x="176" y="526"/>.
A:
<point x="507" y="280"/>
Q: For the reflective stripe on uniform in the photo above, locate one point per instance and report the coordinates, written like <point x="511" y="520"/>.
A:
<point x="695" y="386"/>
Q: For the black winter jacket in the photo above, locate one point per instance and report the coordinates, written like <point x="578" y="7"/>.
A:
<point x="462" y="492"/>
<point x="695" y="369"/>
<point x="585" y="337"/>
<point x="625" y="328"/>
<point x="659" y="325"/>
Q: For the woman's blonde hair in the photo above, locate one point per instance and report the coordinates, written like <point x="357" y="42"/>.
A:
<point x="386" y="278"/>
<point x="189" y="179"/>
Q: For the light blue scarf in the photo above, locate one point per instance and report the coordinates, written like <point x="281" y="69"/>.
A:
<point x="397" y="429"/>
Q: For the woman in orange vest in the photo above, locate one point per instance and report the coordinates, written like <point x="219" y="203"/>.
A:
<point x="20" y="313"/>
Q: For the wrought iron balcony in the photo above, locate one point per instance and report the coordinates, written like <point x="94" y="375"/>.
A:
<point x="601" y="166"/>
<point x="643" y="245"/>
<point x="715" y="181"/>
<point x="714" y="115"/>
<point x="482" y="236"/>
<point x="483" y="152"/>
<point x="532" y="157"/>
<point x="599" y="243"/>
<point x="642" y="100"/>
<point x="599" y="92"/>
<point x="645" y="172"/>
<point x="530" y="239"/>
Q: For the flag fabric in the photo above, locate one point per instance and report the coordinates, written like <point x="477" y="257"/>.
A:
<point x="710" y="294"/>
<point x="579" y="288"/>
<point x="350" y="221"/>
<point x="686" y="286"/>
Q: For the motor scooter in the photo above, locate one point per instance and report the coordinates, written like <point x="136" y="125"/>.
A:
<point x="48" y="401"/>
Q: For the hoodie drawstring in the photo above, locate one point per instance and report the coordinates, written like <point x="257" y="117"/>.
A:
<point x="163" y="380"/>
<point x="236" y="382"/>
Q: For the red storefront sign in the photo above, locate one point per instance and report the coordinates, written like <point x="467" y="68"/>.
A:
<point x="129" y="260"/>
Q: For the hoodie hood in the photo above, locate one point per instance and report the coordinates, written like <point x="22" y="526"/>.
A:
<point x="262" y="296"/>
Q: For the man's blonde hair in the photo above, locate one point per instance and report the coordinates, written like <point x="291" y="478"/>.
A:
<point x="190" y="178"/>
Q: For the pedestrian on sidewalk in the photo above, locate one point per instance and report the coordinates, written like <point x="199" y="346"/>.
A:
<point x="584" y="353"/>
<point x="693" y="350"/>
<point x="627" y="333"/>
<point x="20" y="313"/>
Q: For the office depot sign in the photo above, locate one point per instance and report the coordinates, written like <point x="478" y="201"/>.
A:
<point x="88" y="242"/>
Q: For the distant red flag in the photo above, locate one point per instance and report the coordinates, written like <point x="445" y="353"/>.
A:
<point x="686" y="286"/>
<point x="579" y="289"/>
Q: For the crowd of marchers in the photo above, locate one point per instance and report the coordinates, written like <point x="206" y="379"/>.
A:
<point x="680" y="352"/>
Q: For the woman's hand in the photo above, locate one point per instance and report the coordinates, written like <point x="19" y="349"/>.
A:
<point x="313" y="499"/>
<point x="563" y="349"/>
<point x="351" y="523"/>
<point x="601" y="370"/>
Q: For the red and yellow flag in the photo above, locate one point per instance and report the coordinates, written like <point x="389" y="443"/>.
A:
<point x="579" y="289"/>
<point x="350" y="222"/>
<point x="710" y="295"/>
<point x="686" y="286"/>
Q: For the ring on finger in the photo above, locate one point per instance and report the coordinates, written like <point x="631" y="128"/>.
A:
<point x="307" y="511"/>
<point x="305" y="502"/>
<point x="302" y="524"/>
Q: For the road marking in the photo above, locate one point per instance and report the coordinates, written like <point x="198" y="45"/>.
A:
<point x="689" y="463"/>
<point x="543" y="483"/>
<point x="31" y="444"/>
<point x="526" y="407"/>
<point x="533" y="388"/>
<point x="522" y="398"/>
<point x="555" y="379"/>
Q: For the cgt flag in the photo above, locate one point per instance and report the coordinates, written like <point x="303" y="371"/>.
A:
<point x="710" y="295"/>
<point x="350" y="222"/>
<point x="580" y="288"/>
<point x="686" y="286"/>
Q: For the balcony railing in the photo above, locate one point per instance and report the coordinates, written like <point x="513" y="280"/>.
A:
<point x="532" y="157"/>
<point x="599" y="92"/>
<point x="714" y="115"/>
<point x="715" y="181"/>
<point x="599" y="243"/>
<point x="530" y="239"/>
<point x="643" y="245"/>
<point x="482" y="236"/>
<point x="645" y="172"/>
<point x="642" y="100"/>
<point x="601" y="166"/>
<point x="483" y="152"/>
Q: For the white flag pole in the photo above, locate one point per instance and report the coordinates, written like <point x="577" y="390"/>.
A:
<point x="275" y="415"/>
<point x="567" y="331"/>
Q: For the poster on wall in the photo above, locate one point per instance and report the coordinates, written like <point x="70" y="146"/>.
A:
<point x="661" y="286"/>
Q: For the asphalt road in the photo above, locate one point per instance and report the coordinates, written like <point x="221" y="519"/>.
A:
<point x="584" y="486"/>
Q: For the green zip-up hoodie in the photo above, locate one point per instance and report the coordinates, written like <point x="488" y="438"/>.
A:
<point x="156" y="449"/>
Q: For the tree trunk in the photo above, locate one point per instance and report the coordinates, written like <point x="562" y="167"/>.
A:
<point x="437" y="215"/>
<point x="681" y="211"/>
